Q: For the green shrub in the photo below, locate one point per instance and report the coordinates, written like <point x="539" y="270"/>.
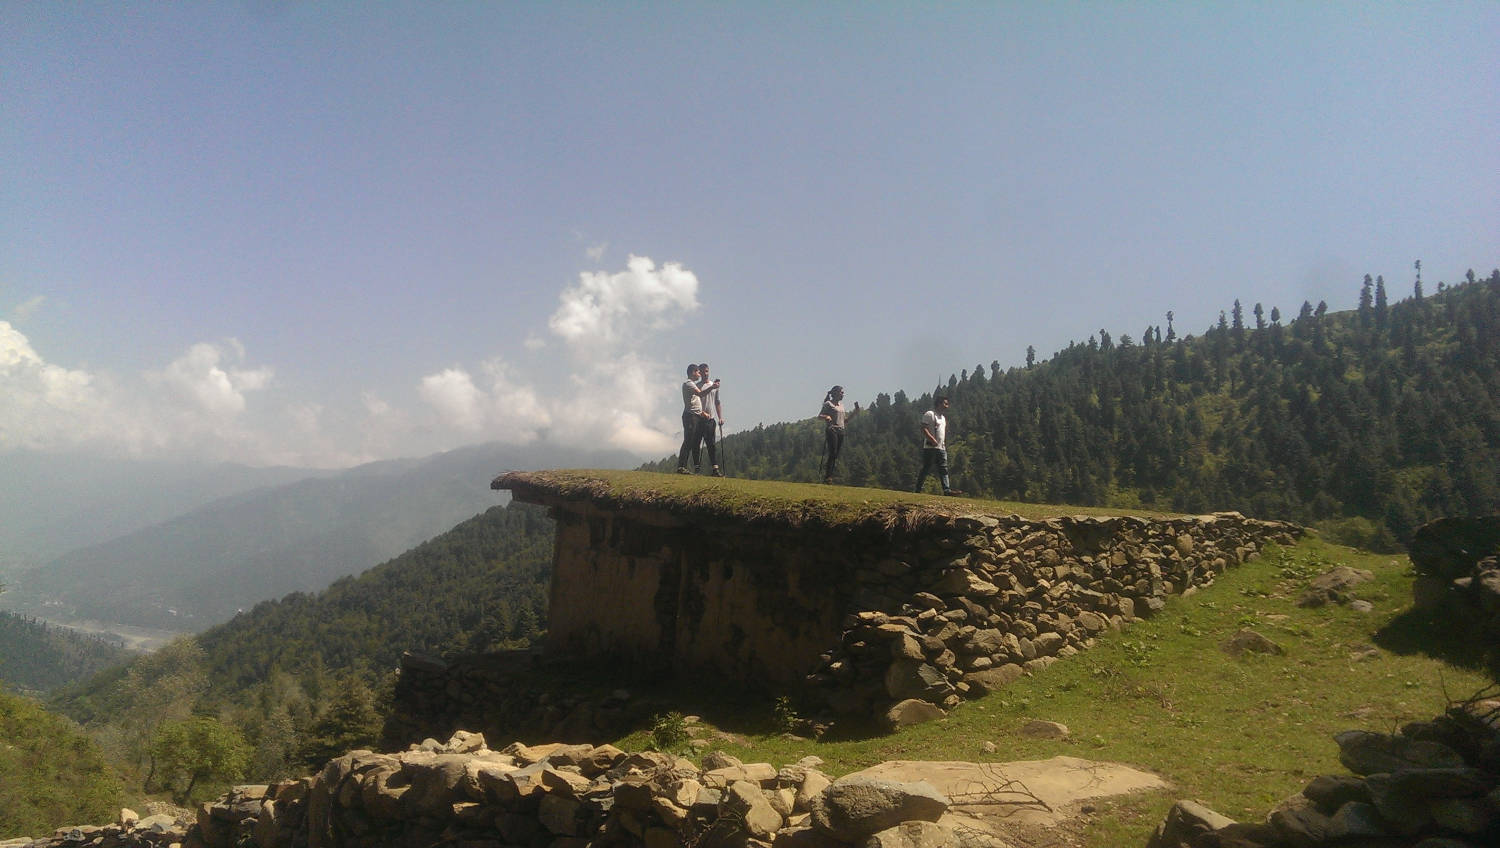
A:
<point x="1360" y="533"/>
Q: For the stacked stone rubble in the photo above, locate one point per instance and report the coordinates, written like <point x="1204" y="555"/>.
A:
<point x="960" y="615"/>
<point x="131" y="831"/>
<point x="1435" y="784"/>
<point x="562" y="796"/>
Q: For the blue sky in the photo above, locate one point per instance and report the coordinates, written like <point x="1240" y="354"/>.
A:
<point x="320" y="234"/>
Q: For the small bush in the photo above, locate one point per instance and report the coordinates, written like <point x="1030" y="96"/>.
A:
<point x="1360" y="533"/>
<point x="669" y="732"/>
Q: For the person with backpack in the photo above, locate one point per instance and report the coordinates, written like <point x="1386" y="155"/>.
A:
<point x="833" y="434"/>
<point x="935" y="444"/>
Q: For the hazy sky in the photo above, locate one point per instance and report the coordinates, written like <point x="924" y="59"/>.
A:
<point x="327" y="233"/>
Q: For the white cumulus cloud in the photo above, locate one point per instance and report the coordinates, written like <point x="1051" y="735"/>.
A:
<point x="198" y="376"/>
<point x="195" y="405"/>
<point x="455" y="397"/>
<point x="604" y="309"/>
<point x="496" y="405"/>
<point x="610" y="397"/>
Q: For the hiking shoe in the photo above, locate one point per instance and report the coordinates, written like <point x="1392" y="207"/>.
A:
<point x="953" y="493"/>
<point x="683" y="470"/>
<point x="828" y="481"/>
<point x="717" y="472"/>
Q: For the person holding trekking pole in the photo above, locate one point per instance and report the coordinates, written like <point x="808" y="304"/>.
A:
<point x="711" y="409"/>
<point x="833" y="434"/>
<point x="692" y="415"/>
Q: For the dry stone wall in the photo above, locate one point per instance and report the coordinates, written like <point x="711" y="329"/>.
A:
<point x="566" y="796"/>
<point x="959" y="614"/>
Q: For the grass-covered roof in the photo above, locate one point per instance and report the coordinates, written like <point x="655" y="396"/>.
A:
<point x="792" y="504"/>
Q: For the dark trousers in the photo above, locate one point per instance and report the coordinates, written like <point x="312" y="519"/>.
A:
<point x="833" y="443"/>
<point x="690" y="437"/>
<point x="695" y="430"/>
<point x="939" y="458"/>
<point x="707" y="435"/>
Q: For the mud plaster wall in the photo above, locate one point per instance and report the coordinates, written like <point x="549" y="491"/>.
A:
<point x="755" y="606"/>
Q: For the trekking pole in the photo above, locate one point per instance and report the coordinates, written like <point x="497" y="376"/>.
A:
<point x="723" y="455"/>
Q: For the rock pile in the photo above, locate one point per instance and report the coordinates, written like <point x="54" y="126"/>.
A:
<point x="129" y="831"/>
<point x="1436" y="784"/>
<point x="961" y="615"/>
<point x="568" y="796"/>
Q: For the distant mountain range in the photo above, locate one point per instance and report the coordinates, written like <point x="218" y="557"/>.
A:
<point x="51" y="504"/>
<point x="200" y="567"/>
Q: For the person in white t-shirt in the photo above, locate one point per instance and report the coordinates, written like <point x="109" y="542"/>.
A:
<point x="692" y="414"/>
<point x="935" y="443"/>
<point x="712" y="409"/>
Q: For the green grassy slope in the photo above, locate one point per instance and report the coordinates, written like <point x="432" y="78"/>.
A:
<point x="1239" y="734"/>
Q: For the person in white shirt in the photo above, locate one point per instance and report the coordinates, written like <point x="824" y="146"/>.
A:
<point x="935" y="443"/>
<point x="711" y="409"/>
<point x="692" y="414"/>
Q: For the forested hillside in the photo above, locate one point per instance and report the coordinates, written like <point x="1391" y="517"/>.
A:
<point x="50" y="773"/>
<point x="479" y="586"/>
<point x="299" y="679"/>
<point x="1370" y="421"/>
<point x="36" y="656"/>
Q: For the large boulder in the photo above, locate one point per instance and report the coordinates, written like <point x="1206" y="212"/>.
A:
<point x="1449" y="547"/>
<point x="912" y="834"/>
<point x="916" y="679"/>
<point x="1334" y="586"/>
<point x="1365" y="752"/>
<point x="1185" y="823"/>
<point x="854" y="808"/>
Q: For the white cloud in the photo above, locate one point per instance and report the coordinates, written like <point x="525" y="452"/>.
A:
<point x="194" y="405"/>
<point x="375" y="405"/>
<point x="611" y="397"/>
<point x="213" y="402"/>
<point x="198" y="377"/>
<point x="15" y="350"/>
<point x="604" y="309"/>
<point x="502" y="408"/>
<point x="596" y="253"/>
<point x="29" y="307"/>
<point x="455" y="397"/>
